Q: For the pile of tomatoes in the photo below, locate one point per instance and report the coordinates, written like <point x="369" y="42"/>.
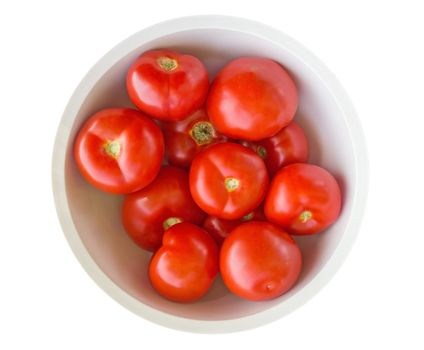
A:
<point x="215" y="177"/>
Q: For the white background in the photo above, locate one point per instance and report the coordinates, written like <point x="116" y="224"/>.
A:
<point x="375" y="48"/>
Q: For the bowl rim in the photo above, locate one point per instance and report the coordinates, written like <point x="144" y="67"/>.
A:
<point x="359" y="195"/>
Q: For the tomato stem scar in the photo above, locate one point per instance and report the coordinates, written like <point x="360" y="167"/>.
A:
<point x="261" y="151"/>
<point x="166" y="63"/>
<point x="231" y="184"/>
<point x="171" y="221"/>
<point x="112" y="149"/>
<point x="202" y="132"/>
<point x="247" y="217"/>
<point x="305" y="216"/>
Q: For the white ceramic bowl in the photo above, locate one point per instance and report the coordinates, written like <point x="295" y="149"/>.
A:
<point x="91" y="219"/>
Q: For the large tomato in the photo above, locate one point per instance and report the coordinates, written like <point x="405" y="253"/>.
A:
<point x="259" y="261"/>
<point x="185" y="138"/>
<point x="228" y="180"/>
<point x="119" y="150"/>
<point x="167" y="85"/>
<point x="219" y="229"/>
<point x="146" y="214"/>
<point x="186" y="265"/>
<point x="252" y="99"/>
<point x="286" y="147"/>
<point x="303" y="198"/>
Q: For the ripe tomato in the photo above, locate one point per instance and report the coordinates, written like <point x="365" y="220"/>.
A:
<point x="286" y="147"/>
<point x="146" y="214"/>
<point x="252" y="99"/>
<point x="219" y="229"/>
<point x="228" y="180"/>
<point x="186" y="265"/>
<point x="303" y="198"/>
<point x="259" y="261"/>
<point x="167" y="85"/>
<point x="185" y="138"/>
<point x="119" y="150"/>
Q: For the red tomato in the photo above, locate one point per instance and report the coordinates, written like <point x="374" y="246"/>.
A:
<point x="146" y="214"/>
<point x="303" y="198"/>
<point x="167" y="85"/>
<point x="119" y="150"/>
<point x="286" y="147"/>
<point x="259" y="261"/>
<point x="185" y="138"/>
<point x="228" y="180"/>
<point x="252" y="99"/>
<point x="219" y="229"/>
<point x="186" y="265"/>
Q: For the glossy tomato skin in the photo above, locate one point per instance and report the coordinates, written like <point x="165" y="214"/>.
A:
<point x="219" y="229"/>
<point x="288" y="146"/>
<point x="147" y="213"/>
<point x="303" y="198"/>
<point x="252" y="99"/>
<point x="228" y="180"/>
<point x="167" y="85"/>
<point x="119" y="150"/>
<point x="186" y="138"/>
<point x="259" y="261"/>
<point x="184" y="268"/>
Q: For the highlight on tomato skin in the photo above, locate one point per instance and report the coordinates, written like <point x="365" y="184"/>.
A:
<point x="228" y="180"/>
<point x="259" y="261"/>
<point x="119" y="150"/>
<point x="184" y="139"/>
<point x="288" y="146"/>
<point x="167" y="85"/>
<point x="303" y="198"/>
<point x="184" y="268"/>
<point x="146" y="214"/>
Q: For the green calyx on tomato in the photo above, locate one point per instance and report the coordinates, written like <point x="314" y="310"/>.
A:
<point x="171" y="221"/>
<point x="231" y="184"/>
<point x="261" y="151"/>
<point x="167" y="64"/>
<point x="112" y="149"/>
<point x="202" y="133"/>
<point x="305" y="216"/>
